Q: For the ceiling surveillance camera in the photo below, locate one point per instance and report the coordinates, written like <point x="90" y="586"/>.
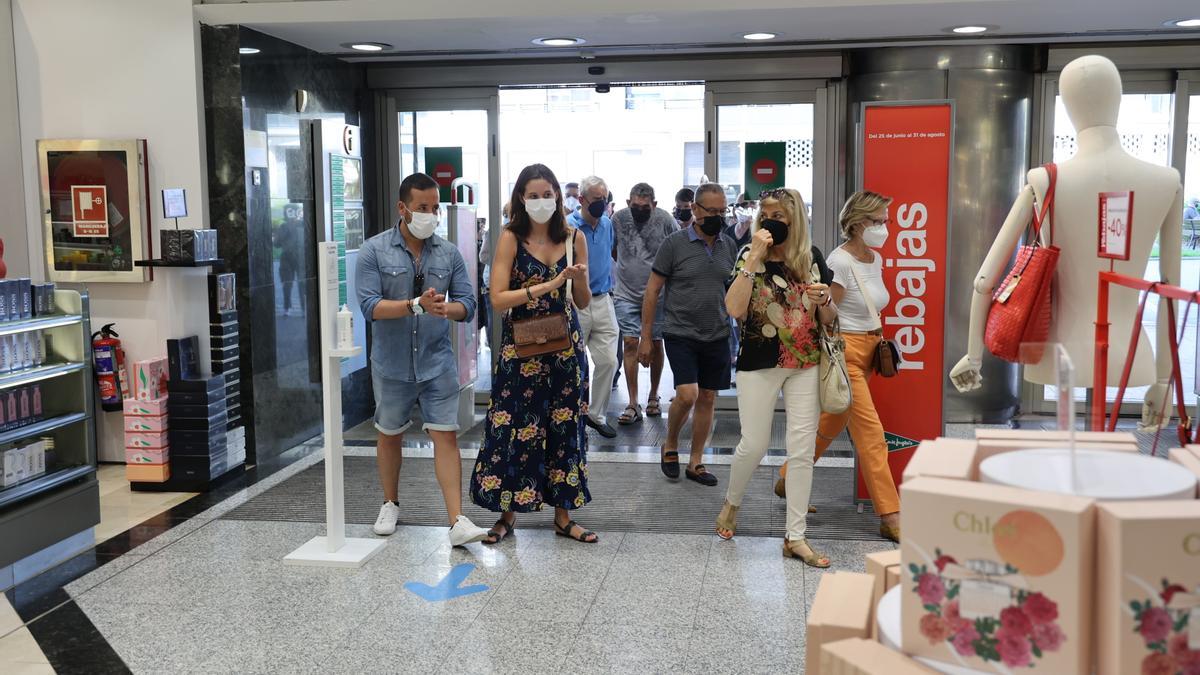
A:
<point x="603" y="88"/>
<point x="595" y="70"/>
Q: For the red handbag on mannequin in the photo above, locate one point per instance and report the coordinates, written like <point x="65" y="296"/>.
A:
<point x="1020" y="312"/>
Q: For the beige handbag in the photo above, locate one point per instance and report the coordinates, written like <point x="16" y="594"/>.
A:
<point x="835" y="380"/>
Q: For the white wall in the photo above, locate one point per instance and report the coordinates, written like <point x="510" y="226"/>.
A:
<point x="128" y="69"/>
<point x="12" y="225"/>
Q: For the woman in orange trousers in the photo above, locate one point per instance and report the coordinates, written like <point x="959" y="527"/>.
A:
<point x="860" y="294"/>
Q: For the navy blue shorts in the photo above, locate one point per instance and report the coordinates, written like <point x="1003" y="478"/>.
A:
<point x="702" y="363"/>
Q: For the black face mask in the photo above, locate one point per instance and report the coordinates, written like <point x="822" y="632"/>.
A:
<point x="640" y="213"/>
<point x="712" y="225"/>
<point x="683" y="215"/>
<point x="778" y="230"/>
<point x="597" y="208"/>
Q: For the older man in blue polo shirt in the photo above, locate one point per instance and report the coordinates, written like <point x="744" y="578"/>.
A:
<point x="598" y="321"/>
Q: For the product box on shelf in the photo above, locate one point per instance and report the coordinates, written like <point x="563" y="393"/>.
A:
<point x="179" y="410"/>
<point x="1188" y="459"/>
<point x="203" y="398"/>
<point x="219" y="365"/>
<point x="13" y="299"/>
<point x="150" y="378"/>
<point x="148" y="473"/>
<point x="223" y="329"/>
<point x="224" y="341"/>
<point x="198" y="442"/>
<point x="12" y="465"/>
<point x="213" y="425"/>
<point x="153" y="408"/>
<point x="1148" y="587"/>
<point x="147" y="456"/>
<point x="841" y="609"/>
<point x="136" y="424"/>
<point x="857" y="656"/>
<point x="25" y="289"/>
<point x="232" y="377"/>
<point x="997" y="576"/>
<point x="196" y="386"/>
<point x="944" y="458"/>
<point x="884" y="568"/>
<point x="199" y="467"/>
<point x="178" y="245"/>
<point x="222" y="295"/>
<point x="146" y="440"/>
<point x="183" y="358"/>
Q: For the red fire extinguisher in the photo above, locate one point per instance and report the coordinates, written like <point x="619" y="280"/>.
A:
<point x="108" y="359"/>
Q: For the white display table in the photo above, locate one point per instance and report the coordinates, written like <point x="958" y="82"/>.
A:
<point x="887" y="618"/>
<point x="1100" y="474"/>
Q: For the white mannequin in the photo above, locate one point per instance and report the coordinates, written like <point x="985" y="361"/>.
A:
<point x="1091" y="91"/>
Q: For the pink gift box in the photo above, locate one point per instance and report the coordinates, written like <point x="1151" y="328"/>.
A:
<point x="135" y="441"/>
<point x="153" y="408"/>
<point x="150" y="379"/>
<point x="142" y="425"/>
<point x="149" y="456"/>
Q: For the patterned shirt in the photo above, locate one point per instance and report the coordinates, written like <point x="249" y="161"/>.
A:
<point x="777" y="331"/>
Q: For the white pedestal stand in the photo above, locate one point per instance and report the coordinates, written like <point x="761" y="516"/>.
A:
<point x="334" y="549"/>
<point x="1100" y="474"/>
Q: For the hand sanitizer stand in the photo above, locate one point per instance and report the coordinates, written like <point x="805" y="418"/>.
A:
<point x="334" y="549"/>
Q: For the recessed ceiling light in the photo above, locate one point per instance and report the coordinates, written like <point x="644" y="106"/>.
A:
<point x="367" y="46"/>
<point x="759" y="36"/>
<point x="1183" y="23"/>
<point x="558" y="41"/>
<point x="968" y="30"/>
<point x="247" y="50"/>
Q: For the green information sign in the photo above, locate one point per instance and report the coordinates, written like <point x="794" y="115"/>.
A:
<point x="765" y="163"/>
<point x="897" y="442"/>
<point x="444" y="165"/>
<point x="337" y="203"/>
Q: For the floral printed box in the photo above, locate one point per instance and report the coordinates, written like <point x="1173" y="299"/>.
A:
<point x="997" y="579"/>
<point x="1148" y="588"/>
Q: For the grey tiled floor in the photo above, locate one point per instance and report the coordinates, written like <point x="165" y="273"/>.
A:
<point x="221" y="600"/>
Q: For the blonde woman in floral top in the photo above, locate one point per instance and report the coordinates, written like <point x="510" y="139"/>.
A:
<point x="777" y="297"/>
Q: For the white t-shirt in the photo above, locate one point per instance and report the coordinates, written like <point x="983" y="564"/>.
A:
<point x="852" y="310"/>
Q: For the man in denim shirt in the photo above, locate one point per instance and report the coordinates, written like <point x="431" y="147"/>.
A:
<point x="411" y="284"/>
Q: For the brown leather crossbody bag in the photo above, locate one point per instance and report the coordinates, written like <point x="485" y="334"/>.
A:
<point x="886" y="359"/>
<point x="548" y="333"/>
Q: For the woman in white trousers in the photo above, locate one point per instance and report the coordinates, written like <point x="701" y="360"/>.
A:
<point x="777" y="297"/>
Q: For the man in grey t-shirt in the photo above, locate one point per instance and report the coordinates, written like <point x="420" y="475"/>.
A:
<point x="640" y="230"/>
<point x="694" y="265"/>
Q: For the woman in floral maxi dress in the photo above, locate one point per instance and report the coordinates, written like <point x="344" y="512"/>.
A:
<point x="535" y="447"/>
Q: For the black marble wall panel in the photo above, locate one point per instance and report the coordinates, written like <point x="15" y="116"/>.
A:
<point x="263" y="201"/>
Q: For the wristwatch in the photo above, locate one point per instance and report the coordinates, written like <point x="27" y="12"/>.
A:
<point x="417" y="309"/>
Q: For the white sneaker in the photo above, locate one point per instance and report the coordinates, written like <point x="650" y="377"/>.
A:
<point x="465" y="532"/>
<point x="385" y="524"/>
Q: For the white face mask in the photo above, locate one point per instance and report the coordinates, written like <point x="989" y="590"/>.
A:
<point x="875" y="236"/>
<point x="422" y="225"/>
<point x="540" y="210"/>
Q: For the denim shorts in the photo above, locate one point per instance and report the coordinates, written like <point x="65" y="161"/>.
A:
<point x="629" y="318"/>
<point x="395" y="399"/>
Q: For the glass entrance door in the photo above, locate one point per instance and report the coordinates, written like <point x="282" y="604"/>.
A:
<point x="763" y="133"/>
<point x="452" y="138"/>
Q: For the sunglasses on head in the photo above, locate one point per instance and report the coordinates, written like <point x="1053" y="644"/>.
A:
<point x="773" y="194"/>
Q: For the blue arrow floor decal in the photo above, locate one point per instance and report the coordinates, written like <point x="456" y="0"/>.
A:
<point x="448" y="588"/>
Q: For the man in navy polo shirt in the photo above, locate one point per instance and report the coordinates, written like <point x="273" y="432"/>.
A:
<point x="598" y="321"/>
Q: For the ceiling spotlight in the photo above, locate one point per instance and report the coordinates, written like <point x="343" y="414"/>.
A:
<point x="1183" y="23"/>
<point x="367" y="46"/>
<point x="968" y="30"/>
<point x="759" y="36"/>
<point x="247" y="50"/>
<point x="558" y="41"/>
